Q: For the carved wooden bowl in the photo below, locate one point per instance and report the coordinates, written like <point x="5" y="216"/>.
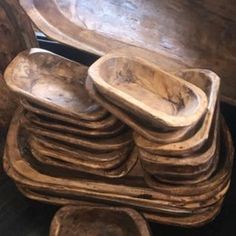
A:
<point x="63" y="127"/>
<point x="53" y="82"/>
<point x="144" y="129"/>
<point x="142" y="88"/>
<point x="195" y="220"/>
<point x="94" y="145"/>
<point x="76" y="220"/>
<point x="104" y="124"/>
<point x="107" y="161"/>
<point x="208" y="80"/>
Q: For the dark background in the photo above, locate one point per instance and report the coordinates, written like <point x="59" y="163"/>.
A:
<point x="22" y="217"/>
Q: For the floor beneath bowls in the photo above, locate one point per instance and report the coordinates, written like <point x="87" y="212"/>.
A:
<point x="22" y="217"/>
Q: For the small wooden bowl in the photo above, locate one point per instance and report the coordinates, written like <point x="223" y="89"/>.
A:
<point x="42" y="153"/>
<point x="194" y="220"/>
<point x="50" y="146"/>
<point x="53" y="82"/>
<point x="150" y="133"/>
<point x="88" y="144"/>
<point x="63" y="127"/>
<point x="105" y="124"/>
<point x="76" y="220"/>
<point x="195" y="162"/>
<point x="144" y="89"/>
<point x="205" y="79"/>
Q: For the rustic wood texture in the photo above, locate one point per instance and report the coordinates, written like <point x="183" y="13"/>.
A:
<point x="52" y="124"/>
<point x="52" y="82"/>
<point x="72" y="221"/>
<point x="191" y="34"/>
<point x="105" y="124"/>
<point x="145" y="90"/>
<point x="16" y="34"/>
<point x="186" y="210"/>
<point x="146" y="130"/>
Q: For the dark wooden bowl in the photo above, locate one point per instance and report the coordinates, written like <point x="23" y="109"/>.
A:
<point x="75" y="220"/>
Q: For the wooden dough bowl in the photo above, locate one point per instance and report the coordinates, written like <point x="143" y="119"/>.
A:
<point x="89" y="144"/>
<point x="194" y="163"/>
<point x="170" y="33"/>
<point x="108" y="161"/>
<point x="144" y="129"/>
<point x="105" y="124"/>
<point x="182" y="148"/>
<point x="206" y="80"/>
<point x="75" y="220"/>
<point x="145" y="90"/>
<point x="53" y="82"/>
<point x="183" y="221"/>
<point x="63" y="127"/>
<point x="198" y="204"/>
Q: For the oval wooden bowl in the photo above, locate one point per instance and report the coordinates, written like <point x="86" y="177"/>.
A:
<point x="218" y="178"/>
<point x="194" y="162"/>
<point x="55" y="125"/>
<point x="53" y="82"/>
<point x="49" y="145"/>
<point x="63" y="169"/>
<point x="195" y="220"/>
<point x="142" y="88"/>
<point x="208" y="80"/>
<point x="105" y="124"/>
<point x="151" y="133"/>
<point x="76" y="220"/>
<point x="64" y="158"/>
<point x="94" y="145"/>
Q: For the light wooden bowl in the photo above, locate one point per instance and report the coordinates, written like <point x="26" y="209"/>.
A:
<point x="105" y="124"/>
<point x="145" y="90"/>
<point x="208" y="80"/>
<point x="44" y="154"/>
<point x="63" y="127"/>
<point x="147" y="131"/>
<point x="53" y="82"/>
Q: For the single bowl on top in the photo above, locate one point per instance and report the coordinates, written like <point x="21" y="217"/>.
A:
<point x="142" y="88"/>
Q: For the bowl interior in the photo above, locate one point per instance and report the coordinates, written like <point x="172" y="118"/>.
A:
<point x="97" y="222"/>
<point x="155" y="88"/>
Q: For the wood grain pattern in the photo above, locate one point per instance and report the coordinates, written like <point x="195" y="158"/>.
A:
<point x="198" y="34"/>
<point x="52" y="82"/>
<point x="198" y="204"/>
<point x="145" y="90"/>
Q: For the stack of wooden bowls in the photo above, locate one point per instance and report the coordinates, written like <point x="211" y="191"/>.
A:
<point x="62" y="147"/>
<point x="65" y="127"/>
<point x="175" y="121"/>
